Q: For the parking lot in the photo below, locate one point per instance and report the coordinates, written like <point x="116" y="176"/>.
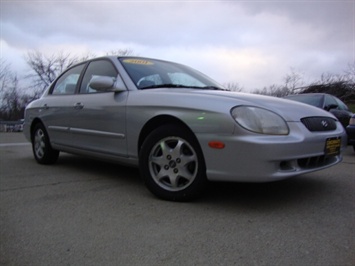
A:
<point x="85" y="212"/>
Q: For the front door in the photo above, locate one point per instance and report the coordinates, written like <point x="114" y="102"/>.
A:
<point x="100" y="119"/>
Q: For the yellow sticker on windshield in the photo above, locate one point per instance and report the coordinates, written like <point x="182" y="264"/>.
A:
<point x="138" y="61"/>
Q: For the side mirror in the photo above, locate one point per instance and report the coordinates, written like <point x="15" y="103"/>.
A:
<point x="330" y="106"/>
<point x="105" y="84"/>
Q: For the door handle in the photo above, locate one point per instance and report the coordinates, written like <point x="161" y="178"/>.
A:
<point x="45" y="106"/>
<point x="78" y="106"/>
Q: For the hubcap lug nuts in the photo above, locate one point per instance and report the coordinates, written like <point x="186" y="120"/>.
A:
<point x="166" y="167"/>
<point x="176" y="170"/>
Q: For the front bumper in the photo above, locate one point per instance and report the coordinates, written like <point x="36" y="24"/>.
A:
<point x="262" y="158"/>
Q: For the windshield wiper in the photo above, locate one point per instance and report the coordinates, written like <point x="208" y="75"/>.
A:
<point x="213" y="88"/>
<point x="169" y="85"/>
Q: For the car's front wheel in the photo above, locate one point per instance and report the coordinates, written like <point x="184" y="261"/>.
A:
<point x="42" y="149"/>
<point x="172" y="165"/>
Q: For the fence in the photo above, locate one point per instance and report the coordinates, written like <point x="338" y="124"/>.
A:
<point x="11" y="126"/>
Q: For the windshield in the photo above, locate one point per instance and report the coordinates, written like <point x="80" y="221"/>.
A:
<point x="150" y="73"/>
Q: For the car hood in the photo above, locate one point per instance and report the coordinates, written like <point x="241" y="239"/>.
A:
<point x="218" y="101"/>
<point x="288" y="109"/>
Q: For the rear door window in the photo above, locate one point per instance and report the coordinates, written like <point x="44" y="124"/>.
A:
<point x="67" y="83"/>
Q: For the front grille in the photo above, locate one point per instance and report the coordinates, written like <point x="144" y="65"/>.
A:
<point x="319" y="123"/>
<point x="316" y="161"/>
<point x="309" y="163"/>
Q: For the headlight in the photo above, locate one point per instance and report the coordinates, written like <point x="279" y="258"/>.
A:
<point x="260" y="120"/>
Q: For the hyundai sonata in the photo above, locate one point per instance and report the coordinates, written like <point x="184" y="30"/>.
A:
<point x="180" y="128"/>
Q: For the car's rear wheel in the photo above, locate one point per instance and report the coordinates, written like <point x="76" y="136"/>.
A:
<point x="172" y="165"/>
<point x="42" y="149"/>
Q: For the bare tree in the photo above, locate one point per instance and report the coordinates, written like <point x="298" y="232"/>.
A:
<point x="350" y="74"/>
<point x="121" y="52"/>
<point x="5" y="76"/>
<point x="233" y="86"/>
<point x="12" y="106"/>
<point x="13" y="100"/>
<point x="293" y="85"/>
<point x="45" y="69"/>
<point x="273" y="90"/>
<point x="293" y="81"/>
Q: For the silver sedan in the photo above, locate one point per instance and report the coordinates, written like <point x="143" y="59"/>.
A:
<point x="178" y="126"/>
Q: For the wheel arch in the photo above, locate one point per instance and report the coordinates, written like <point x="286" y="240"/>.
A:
<point x="158" y="121"/>
<point x="33" y="124"/>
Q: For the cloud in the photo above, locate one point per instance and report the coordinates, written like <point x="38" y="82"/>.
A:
<point x="13" y="57"/>
<point x="253" y="43"/>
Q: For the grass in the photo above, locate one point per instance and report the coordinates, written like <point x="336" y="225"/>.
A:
<point x="351" y="107"/>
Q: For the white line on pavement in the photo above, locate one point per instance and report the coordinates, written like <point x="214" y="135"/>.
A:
<point x="14" y="144"/>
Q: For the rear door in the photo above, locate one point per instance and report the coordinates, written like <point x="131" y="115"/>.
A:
<point x="58" y="108"/>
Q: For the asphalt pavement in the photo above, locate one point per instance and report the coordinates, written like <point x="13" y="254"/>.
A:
<point x="85" y="212"/>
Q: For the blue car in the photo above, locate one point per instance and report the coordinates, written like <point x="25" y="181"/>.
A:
<point x="327" y="102"/>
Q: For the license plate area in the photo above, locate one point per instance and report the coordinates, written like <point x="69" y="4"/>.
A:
<point x="332" y="146"/>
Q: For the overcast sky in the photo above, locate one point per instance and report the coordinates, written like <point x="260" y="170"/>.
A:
<point x="253" y="43"/>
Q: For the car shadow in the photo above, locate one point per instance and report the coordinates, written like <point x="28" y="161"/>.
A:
<point x="296" y="190"/>
<point x="299" y="190"/>
<point x="98" y="169"/>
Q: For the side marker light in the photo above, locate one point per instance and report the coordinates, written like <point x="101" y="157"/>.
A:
<point x="216" y="144"/>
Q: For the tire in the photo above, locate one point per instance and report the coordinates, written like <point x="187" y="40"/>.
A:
<point x="41" y="147"/>
<point x="172" y="165"/>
